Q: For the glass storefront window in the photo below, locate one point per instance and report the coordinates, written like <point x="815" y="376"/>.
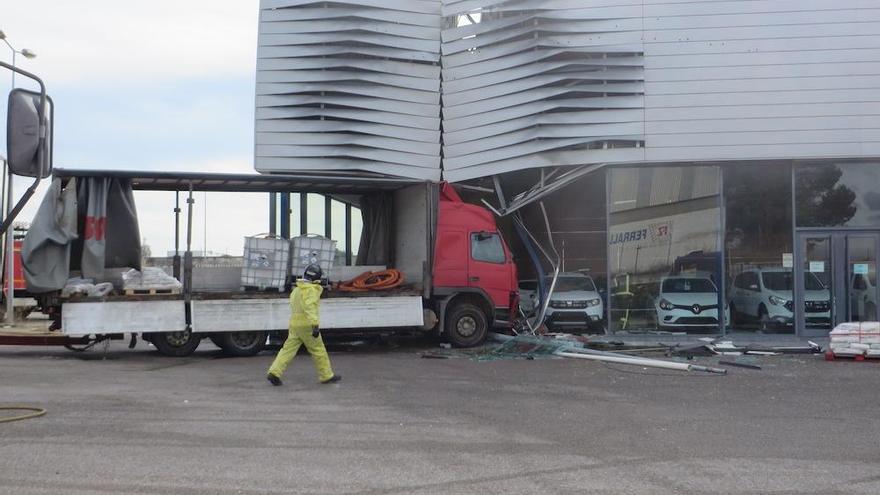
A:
<point x="663" y="249"/>
<point x="758" y="246"/>
<point x="837" y="194"/>
<point x="577" y="217"/>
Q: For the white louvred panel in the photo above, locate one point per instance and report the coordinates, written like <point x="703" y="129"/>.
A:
<point x="532" y="83"/>
<point x="349" y="85"/>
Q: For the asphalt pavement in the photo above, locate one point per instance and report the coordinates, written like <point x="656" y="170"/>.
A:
<point x="131" y="421"/>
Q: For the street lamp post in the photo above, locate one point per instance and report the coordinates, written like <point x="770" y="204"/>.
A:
<point x="6" y="204"/>
<point x="24" y="52"/>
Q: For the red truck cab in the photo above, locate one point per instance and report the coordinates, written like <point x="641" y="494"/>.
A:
<point x="474" y="275"/>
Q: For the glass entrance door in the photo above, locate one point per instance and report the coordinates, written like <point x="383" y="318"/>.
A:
<point x="835" y="280"/>
<point x="861" y="277"/>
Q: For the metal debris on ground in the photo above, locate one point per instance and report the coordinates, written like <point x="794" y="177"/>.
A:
<point x="567" y="346"/>
<point x="556" y="345"/>
<point x="525" y="347"/>
<point x="728" y="348"/>
<point x="741" y="362"/>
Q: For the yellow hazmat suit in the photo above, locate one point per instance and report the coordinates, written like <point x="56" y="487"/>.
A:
<point x="304" y="302"/>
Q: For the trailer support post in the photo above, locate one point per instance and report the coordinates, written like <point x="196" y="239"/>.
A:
<point x="175" y="263"/>
<point x="188" y="261"/>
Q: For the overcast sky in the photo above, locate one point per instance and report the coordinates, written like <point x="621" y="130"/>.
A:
<point x="160" y="85"/>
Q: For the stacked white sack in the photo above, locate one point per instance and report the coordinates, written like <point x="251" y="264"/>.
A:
<point x="150" y="278"/>
<point x="856" y="339"/>
<point x="85" y="287"/>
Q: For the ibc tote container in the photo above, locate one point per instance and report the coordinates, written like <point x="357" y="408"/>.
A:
<point x="308" y="249"/>
<point x="266" y="262"/>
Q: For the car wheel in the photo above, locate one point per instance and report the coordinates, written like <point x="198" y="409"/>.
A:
<point x="735" y="317"/>
<point x="763" y="318"/>
<point x="466" y="325"/>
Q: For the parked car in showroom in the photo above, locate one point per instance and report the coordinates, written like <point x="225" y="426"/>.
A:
<point x="765" y="296"/>
<point x="575" y="302"/>
<point x="863" y="297"/>
<point x="688" y="301"/>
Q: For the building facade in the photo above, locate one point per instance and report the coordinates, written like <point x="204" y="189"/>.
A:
<point x="735" y="141"/>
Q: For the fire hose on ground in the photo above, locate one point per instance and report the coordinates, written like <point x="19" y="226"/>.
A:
<point x="35" y="412"/>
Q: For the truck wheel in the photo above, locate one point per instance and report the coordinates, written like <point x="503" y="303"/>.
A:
<point x="466" y="325"/>
<point x="240" y="343"/>
<point x="176" y="344"/>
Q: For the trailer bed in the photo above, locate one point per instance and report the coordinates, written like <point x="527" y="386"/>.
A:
<point x="239" y="295"/>
<point x="235" y="312"/>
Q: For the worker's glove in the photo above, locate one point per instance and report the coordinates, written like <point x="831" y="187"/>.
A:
<point x="315" y="332"/>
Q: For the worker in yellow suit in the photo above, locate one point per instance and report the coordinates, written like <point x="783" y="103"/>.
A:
<point x="304" y="324"/>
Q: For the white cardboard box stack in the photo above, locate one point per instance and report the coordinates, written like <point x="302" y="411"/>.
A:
<point x="856" y="339"/>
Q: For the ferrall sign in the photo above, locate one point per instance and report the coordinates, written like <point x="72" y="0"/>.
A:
<point x="653" y="233"/>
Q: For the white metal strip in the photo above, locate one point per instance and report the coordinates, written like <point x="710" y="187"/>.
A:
<point x="340" y="313"/>
<point x="89" y="318"/>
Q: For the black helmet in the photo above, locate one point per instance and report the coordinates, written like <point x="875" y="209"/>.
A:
<point x="313" y="273"/>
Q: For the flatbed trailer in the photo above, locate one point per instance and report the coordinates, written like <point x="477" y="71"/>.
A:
<point x="472" y="294"/>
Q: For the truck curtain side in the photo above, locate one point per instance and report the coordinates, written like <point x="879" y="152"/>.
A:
<point x="405" y="214"/>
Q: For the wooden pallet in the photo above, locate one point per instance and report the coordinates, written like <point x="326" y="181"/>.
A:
<point x="831" y="356"/>
<point x="151" y="292"/>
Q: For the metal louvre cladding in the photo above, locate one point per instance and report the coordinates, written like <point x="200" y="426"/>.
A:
<point x="350" y="85"/>
<point x="529" y="83"/>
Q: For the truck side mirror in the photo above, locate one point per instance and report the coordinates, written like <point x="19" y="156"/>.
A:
<point x="28" y="153"/>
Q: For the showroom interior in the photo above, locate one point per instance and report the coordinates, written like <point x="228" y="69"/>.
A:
<point x="779" y="246"/>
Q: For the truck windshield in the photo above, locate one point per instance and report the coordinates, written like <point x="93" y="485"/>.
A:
<point x="688" y="285"/>
<point x="569" y="284"/>
<point x="783" y="281"/>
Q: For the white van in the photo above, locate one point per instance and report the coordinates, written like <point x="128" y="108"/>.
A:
<point x="862" y="298"/>
<point x="765" y="296"/>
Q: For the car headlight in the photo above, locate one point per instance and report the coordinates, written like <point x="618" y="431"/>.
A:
<point x="593" y="302"/>
<point x="778" y="301"/>
<point x="665" y="305"/>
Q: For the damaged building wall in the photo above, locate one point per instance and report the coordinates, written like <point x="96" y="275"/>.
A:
<point x="352" y="85"/>
<point x="534" y="83"/>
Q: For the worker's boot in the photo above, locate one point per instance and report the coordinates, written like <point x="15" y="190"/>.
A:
<point x="333" y="379"/>
<point x="274" y="380"/>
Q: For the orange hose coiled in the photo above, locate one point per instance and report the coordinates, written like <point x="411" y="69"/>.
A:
<point x="365" y="282"/>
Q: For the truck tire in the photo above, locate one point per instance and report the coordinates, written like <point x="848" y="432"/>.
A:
<point x="175" y="344"/>
<point x="240" y="343"/>
<point x="466" y="325"/>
